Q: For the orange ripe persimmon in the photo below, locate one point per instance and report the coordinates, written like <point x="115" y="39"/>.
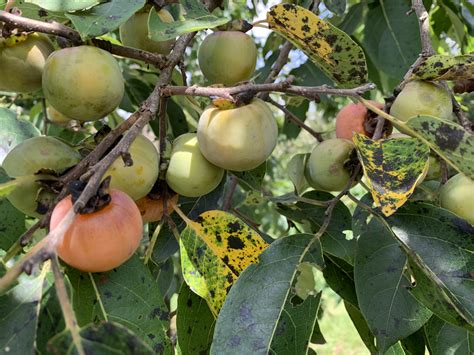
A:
<point x="152" y="210"/>
<point x="352" y="118"/>
<point x="102" y="240"/>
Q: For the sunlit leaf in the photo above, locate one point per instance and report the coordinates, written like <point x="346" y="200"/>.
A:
<point x="445" y="67"/>
<point x="450" y="140"/>
<point x="327" y="46"/>
<point x="197" y="18"/>
<point x="65" y="5"/>
<point x="393" y="167"/>
<point x="215" y="249"/>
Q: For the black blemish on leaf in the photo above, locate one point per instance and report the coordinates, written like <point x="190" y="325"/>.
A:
<point x="200" y="220"/>
<point x="447" y="137"/>
<point x="235" y="243"/>
<point x="338" y="48"/>
<point x="159" y="348"/>
<point x="331" y="39"/>
<point x="151" y="336"/>
<point x="108" y="294"/>
<point x="189" y="302"/>
<point x="234" y="227"/>
<point x="212" y="293"/>
<point x="218" y="237"/>
<point x="199" y="252"/>
<point x="305" y="28"/>
<point x="288" y="7"/>
<point x="437" y="65"/>
<point x="189" y="330"/>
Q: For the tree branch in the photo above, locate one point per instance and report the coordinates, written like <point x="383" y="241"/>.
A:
<point x="277" y="66"/>
<point x="61" y="30"/>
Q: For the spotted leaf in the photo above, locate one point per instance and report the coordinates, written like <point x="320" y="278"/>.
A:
<point x="332" y="50"/>
<point x="393" y="168"/>
<point x="215" y="249"/>
<point x="445" y="67"/>
<point x="451" y="141"/>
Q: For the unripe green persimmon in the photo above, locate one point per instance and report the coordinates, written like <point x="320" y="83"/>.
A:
<point x="238" y="139"/>
<point x="138" y="179"/>
<point x="457" y="195"/>
<point x="325" y="165"/>
<point x="134" y="33"/>
<point x="189" y="173"/>
<point x="422" y="98"/>
<point x="30" y="157"/>
<point x="83" y="83"/>
<point x="227" y="57"/>
<point x="22" y="60"/>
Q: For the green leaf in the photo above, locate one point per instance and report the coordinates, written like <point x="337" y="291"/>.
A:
<point x="128" y="295"/>
<point x="252" y="311"/>
<point x="391" y="38"/>
<point x="34" y="12"/>
<point x="361" y="326"/>
<point x="339" y="275"/>
<point x="445" y="338"/>
<point x="382" y="289"/>
<point x="414" y="344"/>
<point x="197" y="18"/>
<point x="336" y="6"/>
<point x="334" y="241"/>
<point x="12" y="224"/>
<point x="296" y="172"/>
<point x="252" y="179"/>
<point x="393" y="168"/>
<point x="104" y="338"/>
<point x="14" y="131"/>
<point x="332" y="50"/>
<point x="105" y="17"/>
<point x="299" y="107"/>
<point x="65" y="5"/>
<point x="440" y="246"/>
<point x="296" y="325"/>
<point x="19" y="312"/>
<point x="214" y="251"/>
<point x="445" y="67"/>
<point x="448" y="139"/>
<point x="194" y="322"/>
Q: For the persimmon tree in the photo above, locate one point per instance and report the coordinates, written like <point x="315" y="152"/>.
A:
<point x="188" y="114"/>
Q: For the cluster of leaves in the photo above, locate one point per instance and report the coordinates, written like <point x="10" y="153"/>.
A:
<point x="405" y="280"/>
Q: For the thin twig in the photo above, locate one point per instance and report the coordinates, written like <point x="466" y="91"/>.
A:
<point x="293" y="118"/>
<point x="66" y="307"/>
<point x="277" y="67"/>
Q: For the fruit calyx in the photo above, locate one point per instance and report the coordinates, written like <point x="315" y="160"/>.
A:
<point x="97" y="202"/>
<point x="236" y="25"/>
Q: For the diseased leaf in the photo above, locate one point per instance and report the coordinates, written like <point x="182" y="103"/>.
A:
<point x="445" y="338"/>
<point x="327" y="46"/>
<point x="393" y="168"/>
<point x="392" y="313"/>
<point x="65" y="5"/>
<point x="448" y="139"/>
<point x="215" y="249"/>
<point x="194" y="322"/>
<point x="104" y="338"/>
<point x="296" y="325"/>
<point x="252" y="311"/>
<point x="105" y="17"/>
<point x="445" y="67"/>
<point x="14" y="131"/>
<point x="197" y="18"/>
<point x="440" y="246"/>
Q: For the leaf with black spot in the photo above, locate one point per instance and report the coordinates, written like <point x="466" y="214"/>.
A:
<point x="393" y="168"/>
<point x="450" y="140"/>
<point x="215" y="249"/>
<point x="445" y="67"/>
<point x="332" y="50"/>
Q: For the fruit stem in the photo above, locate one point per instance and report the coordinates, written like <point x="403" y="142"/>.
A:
<point x="65" y="303"/>
<point x="180" y="213"/>
<point x="153" y="240"/>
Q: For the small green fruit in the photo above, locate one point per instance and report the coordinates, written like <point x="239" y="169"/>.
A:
<point x="189" y="173"/>
<point x="457" y="196"/>
<point x="227" y="57"/>
<point x="138" y="179"/>
<point x="325" y="165"/>
<point x="134" y="33"/>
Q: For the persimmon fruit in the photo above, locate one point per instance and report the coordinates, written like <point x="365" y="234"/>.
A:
<point x="152" y="210"/>
<point x="22" y="60"/>
<point x="189" y="173"/>
<point x="227" y="57"/>
<point x="457" y="196"/>
<point x="103" y="240"/>
<point x="238" y="139"/>
<point x="352" y="118"/>
<point x="84" y="83"/>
